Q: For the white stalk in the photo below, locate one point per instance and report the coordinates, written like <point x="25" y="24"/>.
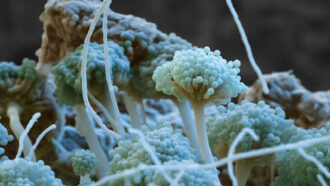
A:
<point x="143" y="112"/>
<point x="84" y="75"/>
<point x="132" y="109"/>
<point x="13" y="112"/>
<point x="247" y="46"/>
<point x="108" y="72"/>
<point x="35" y="145"/>
<point x="203" y="140"/>
<point x="188" y="121"/>
<point x="85" y="129"/>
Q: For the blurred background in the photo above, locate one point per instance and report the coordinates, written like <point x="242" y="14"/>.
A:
<point x="284" y="34"/>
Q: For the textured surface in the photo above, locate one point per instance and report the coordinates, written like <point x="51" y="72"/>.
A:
<point x="269" y="124"/>
<point x="308" y="109"/>
<point x="67" y="72"/>
<point x="169" y="146"/>
<point x="200" y="75"/>
<point x="284" y="34"/>
<point x="295" y="169"/>
<point x="24" y="172"/>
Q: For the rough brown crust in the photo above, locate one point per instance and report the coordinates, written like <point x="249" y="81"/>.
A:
<point x="66" y="24"/>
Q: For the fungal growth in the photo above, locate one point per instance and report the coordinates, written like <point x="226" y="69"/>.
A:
<point x="69" y="90"/>
<point x="21" y="93"/>
<point x="307" y="109"/>
<point x="4" y="139"/>
<point x="83" y="163"/>
<point x="269" y="124"/>
<point x="170" y="147"/>
<point x="305" y="166"/>
<point x="139" y="107"/>
<point x="202" y="77"/>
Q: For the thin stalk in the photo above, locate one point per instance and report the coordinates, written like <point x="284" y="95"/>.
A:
<point x="247" y="46"/>
<point x="143" y="110"/>
<point x="103" y="109"/>
<point x="132" y="109"/>
<point x="109" y="105"/>
<point x="13" y="112"/>
<point x="203" y="140"/>
<point x="84" y="74"/>
<point x="113" y="101"/>
<point x="188" y="122"/>
<point x="34" y="147"/>
<point x="85" y="129"/>
<point x="242" y="170"/>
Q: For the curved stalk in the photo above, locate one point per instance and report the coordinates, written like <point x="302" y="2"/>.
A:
<point x="34" y="147"/>
<point x="112" y="96"/>
<point x="243" y="169"/>
<point x="133" y="112"/>
<point x="202" y="134"/>
<point x="247" y="46"/>
<point x="188" y="122"/>
<point x="13" y="112"/>
<point x="85" y="129"/>
<point x="84" y="74"/>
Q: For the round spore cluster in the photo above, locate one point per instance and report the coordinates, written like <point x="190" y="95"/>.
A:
<point x="83" y="162"/>
<point x="269" y="124"/>
<point x="294" y="169"/>
<point x="168" y="145"/>
<point x="200" y="75"/>
<point x="68" y="77"/>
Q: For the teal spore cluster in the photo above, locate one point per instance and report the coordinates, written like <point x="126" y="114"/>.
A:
<point x="130" y="37"/>
<point x="295" y="169"/>
<point x="67" y="72"/>
<point x="26" y="71"/>
<point x="83" y="162"/>
<point x="7" y="70"/>
<point x="200" y="75"/>
<point x="168" y="145"/>
<point x="4" y="139"/>
<point x="269" y="124"/>
<point x="159" y="53"/>
<point x="22" y="172"/>
<point x="19" y="83"/>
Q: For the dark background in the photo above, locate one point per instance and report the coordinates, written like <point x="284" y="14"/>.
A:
<point x="284" y="34"/>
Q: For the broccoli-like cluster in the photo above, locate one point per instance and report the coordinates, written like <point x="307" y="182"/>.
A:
<point x="20" y="93"/>
<point x="4" y="139"/>
<point x="269" y="124"/>
<point x="168" y="145"/>
<point x="19" y="172"/>
<point x="159" y="53"/>
<point x="83" y="162"/>
<point x="27" y="71"/>
<point x="200" y="75"/>
<point x="295" y="169"/>
<point x="7" y="70"/>
<point x="67" y="72"/>
<point x="19" y="83"/>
